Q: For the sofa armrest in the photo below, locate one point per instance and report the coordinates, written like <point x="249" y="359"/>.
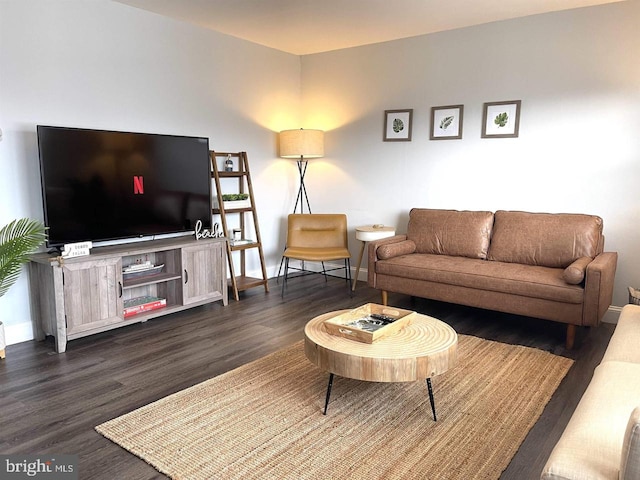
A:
<point x="630" y="464"/>
<point x="598" y="288"/>
<point x="372" y="256"/>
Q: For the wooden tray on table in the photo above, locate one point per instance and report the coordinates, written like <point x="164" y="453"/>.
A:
<point x="369" y="323"/>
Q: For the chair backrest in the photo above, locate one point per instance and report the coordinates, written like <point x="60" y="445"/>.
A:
<point x="317" y="230"/>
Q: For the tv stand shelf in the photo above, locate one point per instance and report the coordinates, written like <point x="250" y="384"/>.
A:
<point x="149" y="280"/>
<point x="76" y="297"/>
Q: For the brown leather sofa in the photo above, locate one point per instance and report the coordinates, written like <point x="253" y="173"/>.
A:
<point x="541" y="265"/>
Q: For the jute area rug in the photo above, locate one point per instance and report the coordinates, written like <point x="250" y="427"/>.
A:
<point x="264" y="420"/>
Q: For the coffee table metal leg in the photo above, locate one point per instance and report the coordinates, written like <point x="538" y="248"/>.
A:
<point x="433" y="405"/>
<point x="326" y="402"/>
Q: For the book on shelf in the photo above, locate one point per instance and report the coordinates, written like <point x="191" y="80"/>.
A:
<point x="141" y="269"/>
<point x="138" y="305"/>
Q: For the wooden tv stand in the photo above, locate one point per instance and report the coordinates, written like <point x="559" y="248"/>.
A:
<point x="76" y="297"/>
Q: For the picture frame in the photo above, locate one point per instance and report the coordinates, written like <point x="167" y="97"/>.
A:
<point x="501" y="119"/>
<point x="397" y="125"/>
<point x="446" y="122"/>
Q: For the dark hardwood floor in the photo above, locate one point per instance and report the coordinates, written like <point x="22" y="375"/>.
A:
<point x="50" y="403"/>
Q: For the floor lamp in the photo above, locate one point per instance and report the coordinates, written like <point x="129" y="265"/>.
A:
<point x="302" y="145"/>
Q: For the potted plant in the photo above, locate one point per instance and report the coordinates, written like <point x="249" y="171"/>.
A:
<point x="18" y="239"/>
<point x="234" y="200"/>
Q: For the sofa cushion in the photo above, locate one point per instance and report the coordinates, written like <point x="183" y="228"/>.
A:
<point x="526" y="280"/>
<point x="545" y="239"/>
<point x="396" y="249"/>
<point x="630" y="463"/>
<point x="625" y="341"/>
<point x="574" y="273"/>
<point x="450" y="232"/>
<point x="591" y="445"/>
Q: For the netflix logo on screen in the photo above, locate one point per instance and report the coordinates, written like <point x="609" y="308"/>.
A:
<point x="138" y="185"/>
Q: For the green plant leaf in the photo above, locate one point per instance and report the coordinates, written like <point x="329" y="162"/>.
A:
<point x="18" y="239"/>
<point x="501" y="119"/>
<point x="398" y="125"/>
<point x="230" y="197"/>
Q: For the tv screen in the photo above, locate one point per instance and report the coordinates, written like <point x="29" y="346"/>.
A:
<point x="102" y="185"/>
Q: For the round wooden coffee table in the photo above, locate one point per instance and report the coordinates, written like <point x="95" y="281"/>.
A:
<point x="423" y="349"/>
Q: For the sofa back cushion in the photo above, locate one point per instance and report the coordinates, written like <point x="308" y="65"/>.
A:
<point x="545" y="239"/>
<point x="450" y="232"/>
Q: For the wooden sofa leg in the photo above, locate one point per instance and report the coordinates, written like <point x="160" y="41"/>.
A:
<point x="384" y="297"/>
<point x="571" y="336"/>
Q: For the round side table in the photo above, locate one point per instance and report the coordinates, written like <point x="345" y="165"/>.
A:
<point x="368" y="233"/>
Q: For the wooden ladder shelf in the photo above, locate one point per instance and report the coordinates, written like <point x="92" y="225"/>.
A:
<point x="225" y="209"/>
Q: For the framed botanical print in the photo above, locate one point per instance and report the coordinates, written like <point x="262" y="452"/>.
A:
<point x="397" y="125"/>
<point x="446" y="122"/>
<point x="501" y="119"/>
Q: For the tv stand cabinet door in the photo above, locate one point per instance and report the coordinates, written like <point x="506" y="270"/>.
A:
<point x="204" y="273"/>
<point x="92" y="295"/>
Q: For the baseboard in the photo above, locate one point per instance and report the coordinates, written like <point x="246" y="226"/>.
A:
<point x="612" y="314"/>
<point x="23" y="332"/>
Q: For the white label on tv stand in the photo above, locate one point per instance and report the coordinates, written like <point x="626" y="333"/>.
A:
<point x="79" y="249"/>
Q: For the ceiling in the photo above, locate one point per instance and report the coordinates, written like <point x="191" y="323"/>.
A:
<point x="303" y="27"/>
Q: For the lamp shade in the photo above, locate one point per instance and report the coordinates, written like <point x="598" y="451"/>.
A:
<point x="301" y="143"/>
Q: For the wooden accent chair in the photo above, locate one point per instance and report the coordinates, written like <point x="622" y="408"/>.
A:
<point x="317" y="237"/>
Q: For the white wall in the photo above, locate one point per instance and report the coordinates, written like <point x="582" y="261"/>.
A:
<point x="578" y="76"/>
<point x="101" y="64"/>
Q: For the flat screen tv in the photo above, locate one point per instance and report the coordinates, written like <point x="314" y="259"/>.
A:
<point x="102" y="186"/>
